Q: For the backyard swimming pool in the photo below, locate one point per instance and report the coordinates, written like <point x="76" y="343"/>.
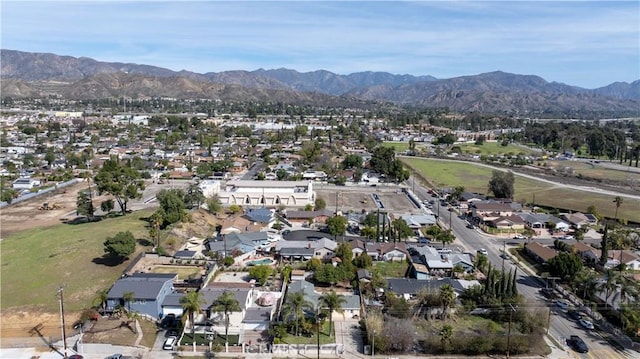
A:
<point x="260" y="262"/>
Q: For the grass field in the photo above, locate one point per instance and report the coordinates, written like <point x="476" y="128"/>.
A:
<point x="35" y="263"/>
<point x="399" y="146"/>
<point x="493" y="148"/>
<point x="391" y="269"/>
<point x="183" y="271"/>
<point x="475" y="178"/>
<point x="589" y="170"/>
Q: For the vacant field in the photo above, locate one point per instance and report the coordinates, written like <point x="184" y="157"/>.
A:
<point x="493" y="148"/>
<point x="475" y="178"/>
<point x="593" y="171"/>
<point x="35" y="262"/>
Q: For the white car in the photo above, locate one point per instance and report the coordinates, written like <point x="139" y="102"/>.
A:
<point x="519" y="236"/>
<point x="483" y="251"/>
<point x="169" y="343"/>
<point x="587" y="324"/>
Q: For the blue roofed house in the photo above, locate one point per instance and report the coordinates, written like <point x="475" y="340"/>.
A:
<point x="148" y="289"/>
<point x="261" y="215"/>
<point x="234" y="243"/>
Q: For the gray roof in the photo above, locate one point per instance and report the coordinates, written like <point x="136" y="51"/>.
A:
<point x="296" y="251"/>
<point x="411" y="286"/>
<point x="143" y="285"/>
<point x="211" y="294"/>
<point x="257" y="315"/>
<point x="172" y="300"/>
<point x="351" y="301"/>
<point x="185" y="254"/>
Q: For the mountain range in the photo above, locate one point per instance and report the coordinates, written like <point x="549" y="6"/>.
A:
<point x="26" y="74"/>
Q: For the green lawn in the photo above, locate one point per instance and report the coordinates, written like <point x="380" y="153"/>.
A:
<point x="399" y="146"/>
<point x="324" y="338"/>
<point x="391" y="269"/>
<point x="475" y="178"/>
<point x="591" y="171"/>
<point x="202" y="339"/>
<point x="35" y="263"/>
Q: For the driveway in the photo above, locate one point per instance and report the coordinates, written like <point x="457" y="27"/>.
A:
<point x="348" y="334"/>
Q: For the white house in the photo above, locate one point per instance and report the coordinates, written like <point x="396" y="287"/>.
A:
<point x="26" y="183"/>
<point x="209" y="187"/>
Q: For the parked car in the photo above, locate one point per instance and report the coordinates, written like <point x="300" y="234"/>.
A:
<point x="547" y="292"/>
<point x="75" y="356"/>
<point x="587" y="324"/>
<point x="577" y="344"/>
<point x="562" y="304"/>
<point x="169" y="343"/>
<point x="114" y="356"/>
<point x="574" y="314"/>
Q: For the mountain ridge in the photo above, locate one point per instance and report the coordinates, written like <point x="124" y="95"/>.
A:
<point x="27" y="74"/>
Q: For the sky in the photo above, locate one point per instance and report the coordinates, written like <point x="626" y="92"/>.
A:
<point x="582" y="43"/>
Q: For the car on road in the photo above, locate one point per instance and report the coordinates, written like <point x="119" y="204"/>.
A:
<point x="171" y="333"/>
<point x="574" y="314"/>
<point x="483" y="251"/>
<point x="75" y="356"/>
<point x="587" y="324"/>
<point x="519" y="236"/>
<point x="169" y="343"/>
<point x="568" y="237"/>
<point x="114" y="356"/>
<point x="547" y="292"/>
<point x="577" y="344"/>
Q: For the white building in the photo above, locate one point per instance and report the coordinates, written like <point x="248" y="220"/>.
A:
<point x="26" y="183"/>
<point x="268" y="193"/>
<point x="209" y="187"/>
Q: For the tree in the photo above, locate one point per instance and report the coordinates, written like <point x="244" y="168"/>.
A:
<point x="401" y="229"/>
<point x="446" y="334"/>
<point x="352" y="161"/>
<point x="333" y="302"/>
<point x="191" y="305"/>
<point x="260" y="273"/>
<point x="294" y="307"/>
<point x="337" y="225"/>
<point x="446" y="237"/>
<point x="226" y="304"/>
<point x="501" y="184"/>
<point x="172" y="202"/>
<point x="155" y="222"/>
<point x="384" y="162"/>
<point x="457" y="193"/>
<point x="193" y="197"/>
<point x="100" y="300"/>
<point x="447" y="296"/>
<point x="214" y="205"/>
<point x="84" y="204"/>
<point x="121" y="245"/>
<point x="618" y="201"/>
<point x="123" y="182"/>
<point x="106" y="206"/>
<point x="565" y="265"/>
<point x="363" y="261"/>
<point x="128" y="297"/>
<point x="320" y="204"/>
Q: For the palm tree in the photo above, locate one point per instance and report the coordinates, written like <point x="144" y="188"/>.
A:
<point x="191" y="305"/>
<point x="588" y="281"/>
<point x="609" y="285"/>
<point x="618" y="201"/>
<point x="446" y="334"/>
<point x="226" y="304"/>
<point x="128" y="297"/>
<point x="333" y="302"/>
<point x="295" y="306"/>
<point x="101" y="299"/>
<point x="625" y="289"/>
<point x="447" y="296"/>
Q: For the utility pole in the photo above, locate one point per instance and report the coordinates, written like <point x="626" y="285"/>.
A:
<point x="509" y="330"/>
<point x="373" y="344"/>
<point x="504" y="253"/>
<point x="318" y="329"/>
<point x="64" y="334"/>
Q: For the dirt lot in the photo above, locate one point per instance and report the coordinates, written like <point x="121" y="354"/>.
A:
<point x="357" y="199"/>
<point x="25" y="215"/>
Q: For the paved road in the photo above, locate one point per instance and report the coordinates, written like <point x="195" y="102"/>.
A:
<point x="528" y="285"/>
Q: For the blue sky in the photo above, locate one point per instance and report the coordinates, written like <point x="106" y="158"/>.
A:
<point x="583" y="43"/>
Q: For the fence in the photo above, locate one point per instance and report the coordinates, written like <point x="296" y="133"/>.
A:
<point x="31" y="195"/>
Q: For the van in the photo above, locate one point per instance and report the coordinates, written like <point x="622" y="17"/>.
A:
<point x="169" y="343"/>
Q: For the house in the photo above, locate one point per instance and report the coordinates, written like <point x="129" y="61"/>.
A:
<point x="304" y="217"/>
<point x="148" y="290"/>
<point x="238" y="224"/>
<point x="489" y="210"/>
<point x="210" y="294"/>
<point x="209" y="187"/>
<point x="586" y="252"/>
<point x="233" y="243"/>
<point x="417" y="221"/>
<point x="409" y="288"/>
<point x="512" y="222"/>
<point x="25" y="183"/>
<point x="630" y="259"/>
<point x="260" y="215"/>
<point x="314" y="175"/>
<point x="427" y="262"/>
<point x="323" y="249"/>
<point x="539" y="252"/>
<point x="538" y="221"/>
<point x="350" y="308"/>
